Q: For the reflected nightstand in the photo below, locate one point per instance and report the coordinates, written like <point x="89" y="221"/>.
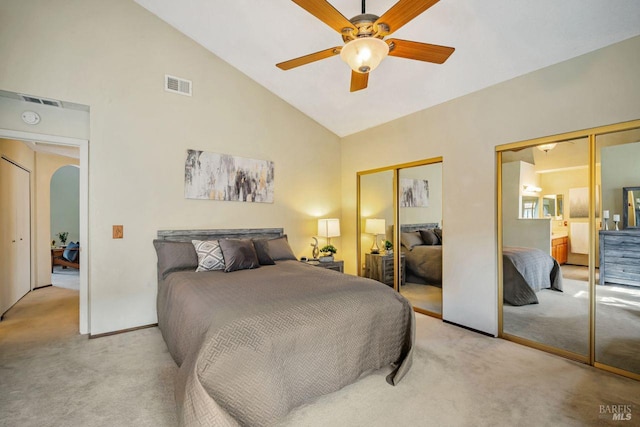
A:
<point x="380" y="267"/>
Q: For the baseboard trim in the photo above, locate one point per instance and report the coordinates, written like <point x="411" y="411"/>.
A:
<point x="122" y="331"/>
<point x="468" y="328"/>
<point x="42" y="287"/>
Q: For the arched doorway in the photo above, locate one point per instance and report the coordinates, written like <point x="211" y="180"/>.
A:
<point x="65" y="227"/>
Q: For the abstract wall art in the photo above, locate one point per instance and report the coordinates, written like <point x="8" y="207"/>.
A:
<point x="414" y="193"/>
<point x="216" y="176"/>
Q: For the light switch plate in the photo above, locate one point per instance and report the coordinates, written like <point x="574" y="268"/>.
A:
<point x="118" y="231"/>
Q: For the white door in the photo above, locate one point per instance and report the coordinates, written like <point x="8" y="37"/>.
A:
<point x="15" y="234"/>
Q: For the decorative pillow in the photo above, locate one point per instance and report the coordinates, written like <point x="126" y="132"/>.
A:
<point x="429" y="237"/>
<point x="411" y="239"/>
<point x="71" y="252"/>
<point x="262" y="251"/>
<point x="209" y="255"/>
<point x="279" y="249"/>
<point x="438" y="232"/>
<point x="175" y="256"/>
<point x="239" y="254"/>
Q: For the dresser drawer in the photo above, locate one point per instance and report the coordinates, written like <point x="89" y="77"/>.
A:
<point x="620" y="257"/>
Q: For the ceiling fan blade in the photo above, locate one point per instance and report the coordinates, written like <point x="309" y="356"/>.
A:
<point x="359" y="81"/>
<point x="403" y="12"/>
<point x="328" y="14"/>
<point x="312" y="57"/>
<point x="419" y="51"/>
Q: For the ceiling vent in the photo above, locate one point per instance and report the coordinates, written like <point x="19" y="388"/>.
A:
<point x="177" y="85"/>
<point x="41" y="101"/>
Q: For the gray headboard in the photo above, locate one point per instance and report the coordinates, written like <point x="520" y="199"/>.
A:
<point x="407" y="228"/>
<point x="239" y="233"/>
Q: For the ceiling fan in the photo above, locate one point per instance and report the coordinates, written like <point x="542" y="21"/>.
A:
<point x="363" y="35"/>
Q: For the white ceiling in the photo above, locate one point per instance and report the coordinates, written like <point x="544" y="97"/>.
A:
<point x="495" y="40"/>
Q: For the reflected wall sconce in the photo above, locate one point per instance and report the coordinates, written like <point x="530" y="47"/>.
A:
<point x="531" y="189"/>
<point x="376" y="227"/>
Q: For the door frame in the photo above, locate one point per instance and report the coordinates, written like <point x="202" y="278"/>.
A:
<point x="83" y="145"/>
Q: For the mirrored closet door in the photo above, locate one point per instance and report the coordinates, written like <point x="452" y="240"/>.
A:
<point x="400" y="230"/>
<point x="569" y="245"/>
<point x="376" y="219"/>
<point x="617" y="290"/>
<point x="545" y="251"/>
<point x="420" y="219"/>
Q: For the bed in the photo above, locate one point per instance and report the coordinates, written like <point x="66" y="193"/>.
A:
<point x="253" y="344"/>
<point x="423" y="257"/>
<point x="527" y="271"/>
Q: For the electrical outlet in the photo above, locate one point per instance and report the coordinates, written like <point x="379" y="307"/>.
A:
<point x="118" y="231"/>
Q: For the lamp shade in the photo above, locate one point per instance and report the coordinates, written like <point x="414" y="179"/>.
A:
<point x="329" y="227"/>
<point x="375" y="226"/>
<point x="364" y="54"/>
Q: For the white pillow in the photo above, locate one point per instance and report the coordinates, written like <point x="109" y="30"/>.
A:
<point x="209" y="255"/>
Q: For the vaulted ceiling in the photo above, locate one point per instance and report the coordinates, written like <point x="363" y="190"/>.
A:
<point x="495" y="40"/>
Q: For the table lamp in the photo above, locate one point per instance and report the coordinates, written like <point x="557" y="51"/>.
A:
<point x="376" y="227"/>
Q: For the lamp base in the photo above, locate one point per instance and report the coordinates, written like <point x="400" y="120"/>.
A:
<point x="374" y="248"/>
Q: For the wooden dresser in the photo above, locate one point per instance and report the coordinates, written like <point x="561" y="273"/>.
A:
<point x="620" y="257"/>
<point x="380" y="267"/>
<point x="560" y="249"/>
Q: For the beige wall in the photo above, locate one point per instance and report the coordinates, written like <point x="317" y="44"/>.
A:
<point x="112" y="56"/>
<point x="433" y="212"/>
<point x="595" y="89"/>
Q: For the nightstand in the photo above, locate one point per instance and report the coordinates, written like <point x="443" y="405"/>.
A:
<point x="334" y="265"/>
<point x="380" y="267"/>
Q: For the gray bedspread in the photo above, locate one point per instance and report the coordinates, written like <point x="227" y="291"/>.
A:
<point x="254" y="344"/>
<point x="424" y="262"/>
<point x="527" y="271"/>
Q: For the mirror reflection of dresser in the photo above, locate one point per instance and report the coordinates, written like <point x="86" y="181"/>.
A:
<point x="620" y="249"/>
<point x="620" y="257"/>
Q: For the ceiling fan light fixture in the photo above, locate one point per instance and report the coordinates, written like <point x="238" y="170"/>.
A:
<point x="547" y="147"/>
<point x="364" y="54"/>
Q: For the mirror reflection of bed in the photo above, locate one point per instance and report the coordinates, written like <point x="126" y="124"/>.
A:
<point x="417" y="205"/>
<point x="421" y="235"/>
<point x="422" y="249"/>
<point x="552" y="310"/>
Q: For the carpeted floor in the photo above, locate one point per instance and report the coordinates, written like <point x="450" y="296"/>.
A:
<point x="426" y="297"/>
<point x="50" y="376"/>
<point x="561" y="319"/>
<point x="68" y="278"/>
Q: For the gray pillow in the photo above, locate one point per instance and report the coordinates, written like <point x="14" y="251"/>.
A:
<point x="438" y="232"/>
<point x="239" y="254"/>
<point x="209" y="255"/>
<point x="411" y="239"/>
<point x="175" y="256"/>
<point x="262" y="251"/>
<point x="279" y="249"/>
<point x="429" y="237"/>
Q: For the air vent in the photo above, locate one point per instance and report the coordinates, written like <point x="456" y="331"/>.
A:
<point x="177" y="85"/>
<point x="41" y="101"/>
